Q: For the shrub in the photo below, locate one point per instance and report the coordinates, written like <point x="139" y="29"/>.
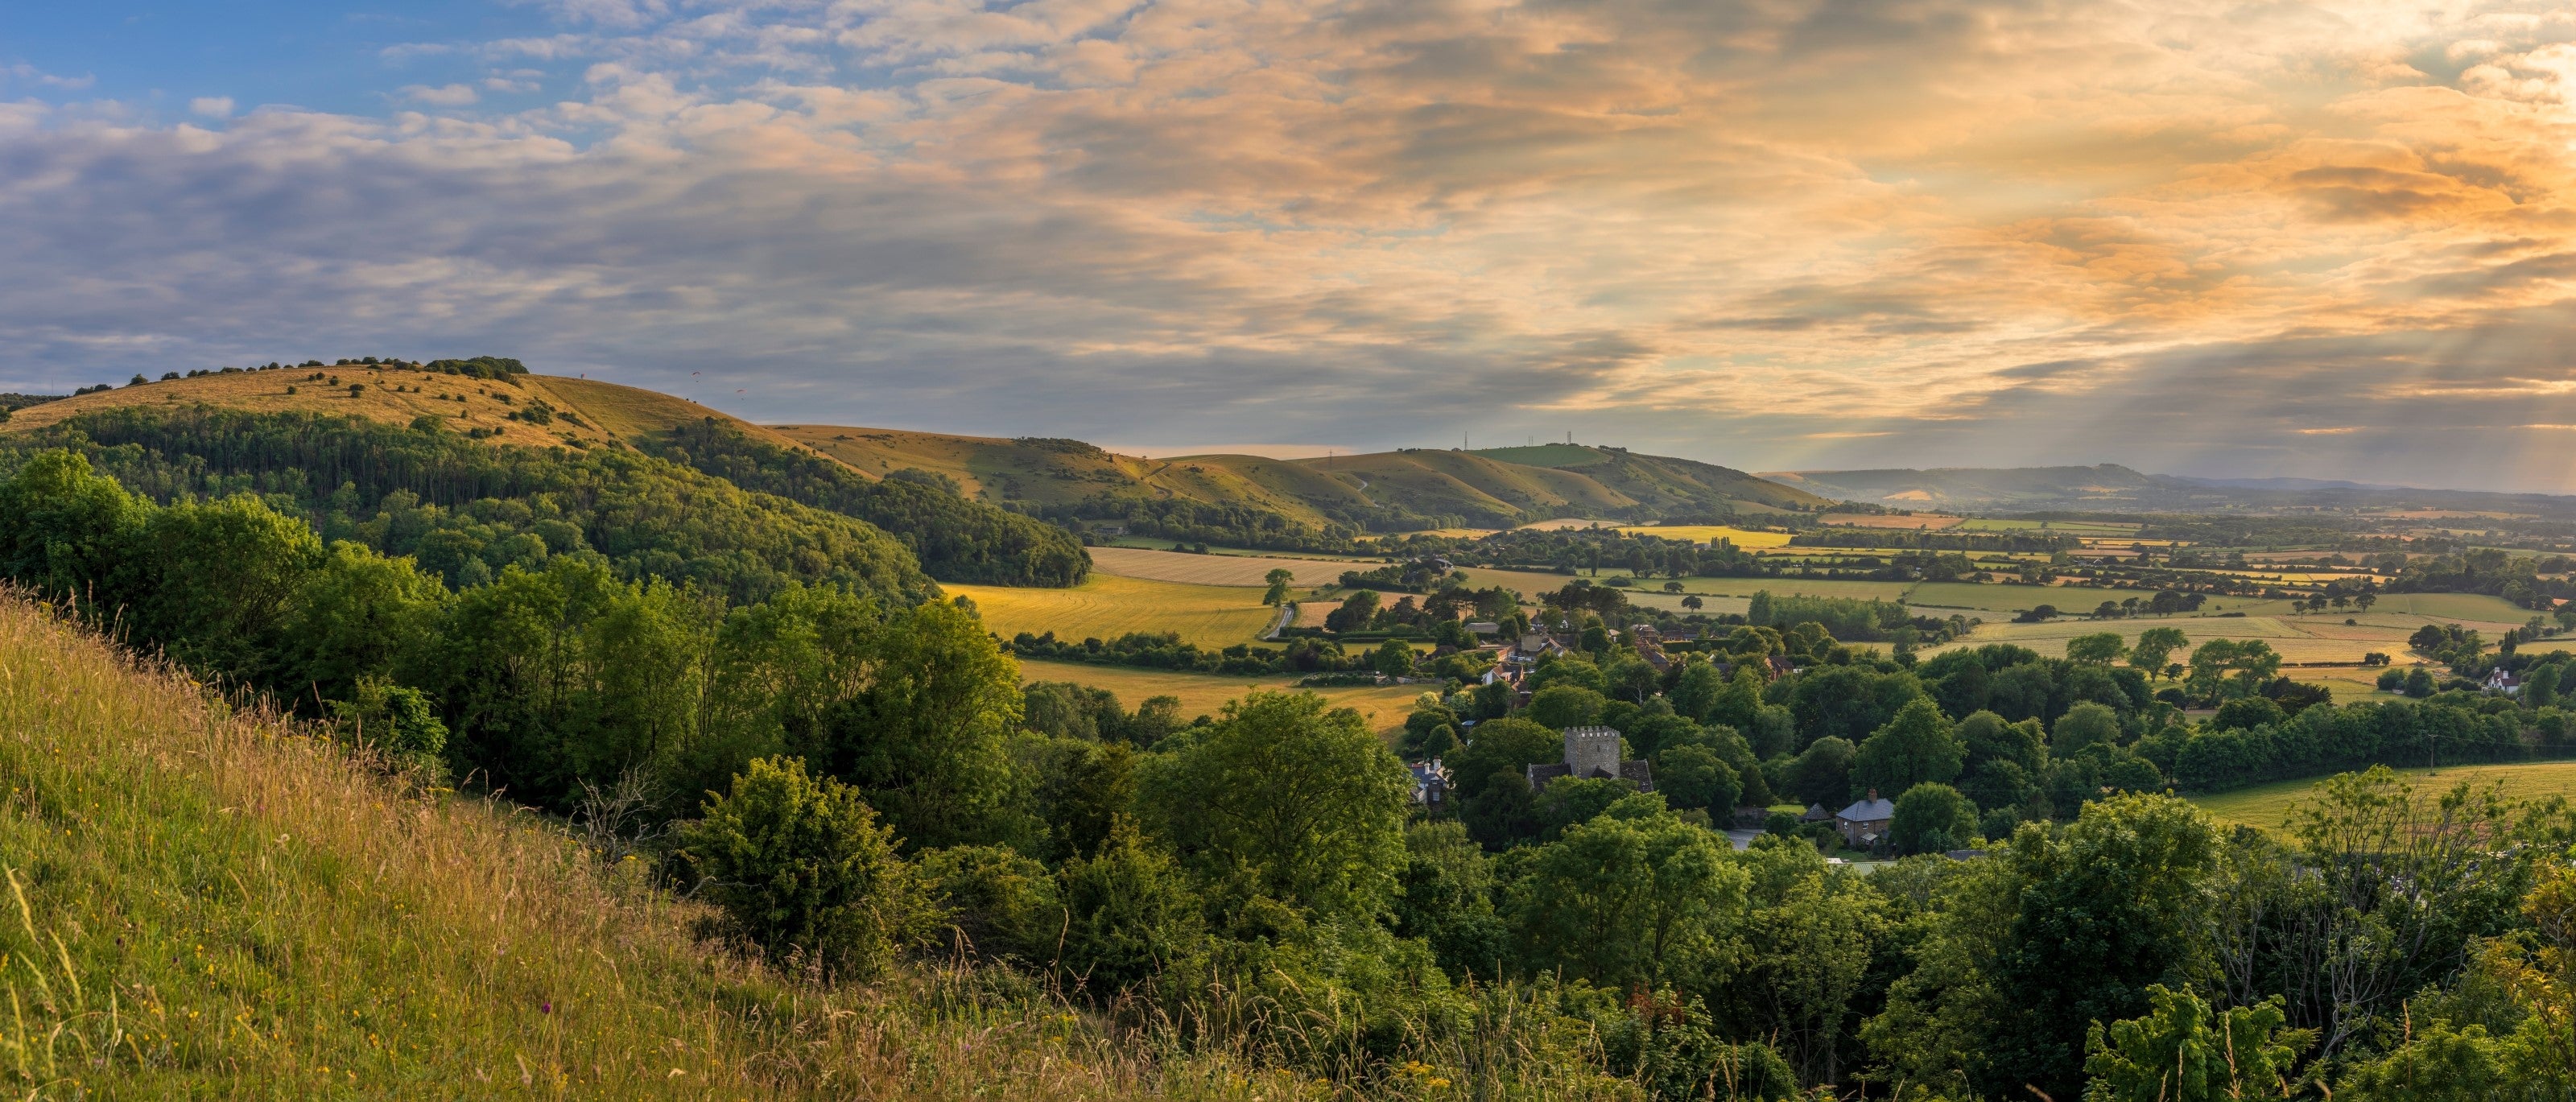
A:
<point x="802" y="869"/>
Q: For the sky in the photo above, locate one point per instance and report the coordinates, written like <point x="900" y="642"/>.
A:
<point x="2205" y="238"/>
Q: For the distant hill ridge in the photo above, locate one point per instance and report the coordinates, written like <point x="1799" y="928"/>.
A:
<point x="1405" y="489"/>
<point x="954" y="539"/>
<point x="2110" y="487"/>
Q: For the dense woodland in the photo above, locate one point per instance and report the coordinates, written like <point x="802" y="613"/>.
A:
<point x="855" y="775"/>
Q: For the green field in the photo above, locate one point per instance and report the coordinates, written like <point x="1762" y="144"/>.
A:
<point x="2067" y="527"/>
<point x="1204" y="694"/>
<point x="1947" y="597"/>
<point x="1107" y="606"/>
<point x="2268" y="806"/>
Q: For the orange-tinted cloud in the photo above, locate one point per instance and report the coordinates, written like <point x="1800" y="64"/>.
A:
<point x="1778" y="232"/>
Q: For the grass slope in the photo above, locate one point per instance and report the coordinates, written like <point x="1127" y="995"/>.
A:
<point x="211" y="904"/>
<point x="600" y="411"/>
<point x="1230" y="570"/>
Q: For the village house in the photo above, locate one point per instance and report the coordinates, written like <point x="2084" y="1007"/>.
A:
<point x="1430" y="782"/>
<point x="2503" y="681"/>
<point x="1865" y="821"/>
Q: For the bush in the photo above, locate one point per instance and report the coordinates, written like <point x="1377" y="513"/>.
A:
<point x="1000" y="903"/>
<point x="802" y="869"/>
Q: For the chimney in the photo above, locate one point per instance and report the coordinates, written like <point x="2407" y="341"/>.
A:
<point x="1873" y="795"/>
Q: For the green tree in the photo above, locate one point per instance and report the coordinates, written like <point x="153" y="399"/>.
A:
<point x="213" y="583"/>
<point x="801" y="866"/>
<point x="1563" y="706"/>
<point x="1917" y="745"/>
<point x="1295" y="799"/>
<point x="925" y="738"/>
<point x="1278" y="580"/>
<point x="2155" y="647"/>
<point x="1694" y="776"/>
<point x="1393" y="658"/>
<point x="66" y="531"/>
<point x="2086" y="724"/>
<point x="1446" y="899"/>
<point x="1821" y="774"/>
<point x="2064" y="929"/>
<point x="2098" y="649"/>
<point x="359" y="615"/>
<point x="1630" y="897"/>
<point x="2182" y="1051"/>
<point x="1932" y="818"/>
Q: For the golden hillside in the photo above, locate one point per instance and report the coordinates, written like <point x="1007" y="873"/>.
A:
<point x="598" y="411"/>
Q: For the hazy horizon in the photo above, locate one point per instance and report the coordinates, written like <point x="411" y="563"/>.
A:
<point x="2215" y="240"/>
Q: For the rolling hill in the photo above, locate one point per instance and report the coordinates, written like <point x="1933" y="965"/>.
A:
<point x="2110" y="487"/>
<point x="1396" y="491"/>
<point x="955" y="539"/>
<point x="1404" y="490"/>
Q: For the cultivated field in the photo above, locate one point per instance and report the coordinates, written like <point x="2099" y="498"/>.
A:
<point x="1916" y="523"/>
<point x="1943" y="598"/>
<point x="1108" y="606"/>
<point x="1226" y="570"/>
<point x="2269" y="806"/>
<point x="1204" y="694"/>
<point x="1710" y="533"/>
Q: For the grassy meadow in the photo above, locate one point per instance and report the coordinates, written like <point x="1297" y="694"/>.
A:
<point x="1107" y="606"/>
<point x="2268" y="806"/>
<point x="203" y="902"/>
<point x="1205" y="693"/>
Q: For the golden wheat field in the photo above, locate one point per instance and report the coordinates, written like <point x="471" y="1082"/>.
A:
<point x="1107" y="606"/>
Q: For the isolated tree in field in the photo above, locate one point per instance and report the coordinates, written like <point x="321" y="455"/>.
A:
<point x="2364" y="600"/>
<point x="1672" y="587"/>
<point x="1693" y="603"/>
<point x="1278" y="578"/>
<point x="2154" y="648"/>
<point x="2098" y="649"/>
<point x="801" y="864"/>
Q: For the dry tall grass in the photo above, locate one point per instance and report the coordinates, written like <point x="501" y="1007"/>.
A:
<point x="211" y="903"/>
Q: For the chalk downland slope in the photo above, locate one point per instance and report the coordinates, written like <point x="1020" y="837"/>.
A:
<point x="1485" y="488"/>
<point x="218" y="904"/>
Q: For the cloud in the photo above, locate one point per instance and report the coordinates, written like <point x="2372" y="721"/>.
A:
<point x="445" y="95"/>
<point x="29" y="74"/>
<point x="213" y="107"/>
<point x="2195" y="236"/>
